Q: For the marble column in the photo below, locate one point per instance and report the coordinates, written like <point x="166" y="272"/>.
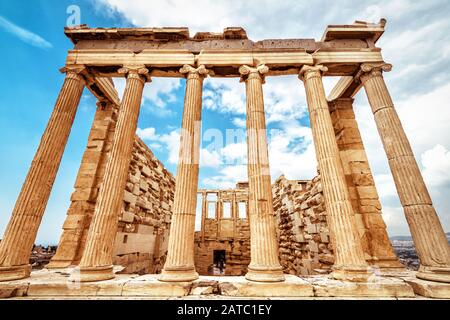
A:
<point x="426" y="230"/>
<point x="264" y="264"/>
<point x="350" y="263"/>
<point x="20" y="234"/>
<point x="179" y="265"/>
<point x="96" y="262"/>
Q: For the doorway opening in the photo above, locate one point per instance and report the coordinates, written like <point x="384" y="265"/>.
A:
<point x="219" y="262"/>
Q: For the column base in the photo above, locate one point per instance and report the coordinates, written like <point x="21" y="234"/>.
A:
<point x="386" y="263"/>
<point x="265" y="274"/>
<point x="439" y="274"/>
<point x="15" y="272"/>
<point x="178" y="274"/>
<point x="91" y="274"/>
<point x="61" y="264"/>
<point x="352" y="273"/>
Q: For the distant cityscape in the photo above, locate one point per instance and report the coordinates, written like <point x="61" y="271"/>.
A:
<point x="404" y="248"/>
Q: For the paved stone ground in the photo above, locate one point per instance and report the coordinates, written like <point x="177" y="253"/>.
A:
<point x="54" y="285"/>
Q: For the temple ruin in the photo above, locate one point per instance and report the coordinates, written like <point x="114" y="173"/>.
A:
<point x="128" y="215"/>
<point x="225" y="232"/>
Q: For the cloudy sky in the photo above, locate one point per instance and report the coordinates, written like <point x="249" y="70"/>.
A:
<point x="417" y="43"/>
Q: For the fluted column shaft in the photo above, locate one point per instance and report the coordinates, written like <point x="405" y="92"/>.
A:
<point x="426" y="230"/>
<point x="96" y="263"/>
<point x="350" y="263"/>
<point x="264" y="265"/>
<point x="20" y="234"/>
<point x="179" y="265"/>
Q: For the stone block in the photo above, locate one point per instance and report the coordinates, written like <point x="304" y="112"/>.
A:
<point x="149" y="285"/>
<point x="146" y="171"/>
<point x="376" y="287"/>
<point x="74" y="221"/>
<point x="91" y="156"/>
<point x="127" y="216"/>
<point x="129" y="197"/>
<point x="144" y="229"/>
<point x="430" y="289"/>
<point x="324" y="237"/>
<point x="165" y="206"/>
<point x="363" y="179"/>
<point x="293" y="286"/>
<point x="85" y="181"/>
<point x="134" y="242"/>
<point x="313" y="247"/>
<point x="154" y="185"/>
<point x="84" y="194"/>
<point x="312" y="228"/>
<point x="367" y="192"/>
<point x="143" y="185"/>
<point x="98" y="133"/>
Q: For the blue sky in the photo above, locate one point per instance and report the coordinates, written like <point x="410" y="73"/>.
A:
<point x="34" y="47"/>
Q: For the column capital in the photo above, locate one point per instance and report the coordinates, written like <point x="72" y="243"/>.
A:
<point x="75" y="72"/>
<point x="307" y="72"/>
<point x="248" y="72"/>
<point x="195" y="73"/>
<point x="369" y="70"/>
<point x="139" y="72"/>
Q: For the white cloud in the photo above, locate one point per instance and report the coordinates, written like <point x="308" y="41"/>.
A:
<point x="436" y="163"/>
<point x="385" y="186"/>
<point x="394" y="218"/>
<point x="24" y="34"/>
<point x="227" y="177"/>
<point x="284" y="98"/>
<point x="291" y="153"/>
<point x="147" y="134"/>
<point x="158" y="93"/>
<point x="235" y="152"/>
<point x="209" y="158"/>
<point x="239" y="122"/>
<point x="171" y="143"/>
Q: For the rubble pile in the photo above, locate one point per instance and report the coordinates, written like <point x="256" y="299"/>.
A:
<point x="303" y="235"/>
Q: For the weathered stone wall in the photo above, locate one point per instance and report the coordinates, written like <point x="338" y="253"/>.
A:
<point x="304" y="239"/>
<point x="143" y="232"/>
<point x="141" y="241"/>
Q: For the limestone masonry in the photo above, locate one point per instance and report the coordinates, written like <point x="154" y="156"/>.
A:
<point x="130" y="229"/>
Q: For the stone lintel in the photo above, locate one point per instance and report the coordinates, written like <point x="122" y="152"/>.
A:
<point x="346" y="87"/>
<point x="83" y="32"/>
<point x="357" y="30"/>
<point x="269" y="57"/>
<point x="103" y="89"/>
<point x="119" y="57"/>
<point x="223" y="63"/>
<point x="359" y="34"/>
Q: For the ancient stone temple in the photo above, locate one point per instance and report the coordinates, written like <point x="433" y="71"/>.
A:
<point x="225" y="232"/>
<point x="324" y="237"/>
